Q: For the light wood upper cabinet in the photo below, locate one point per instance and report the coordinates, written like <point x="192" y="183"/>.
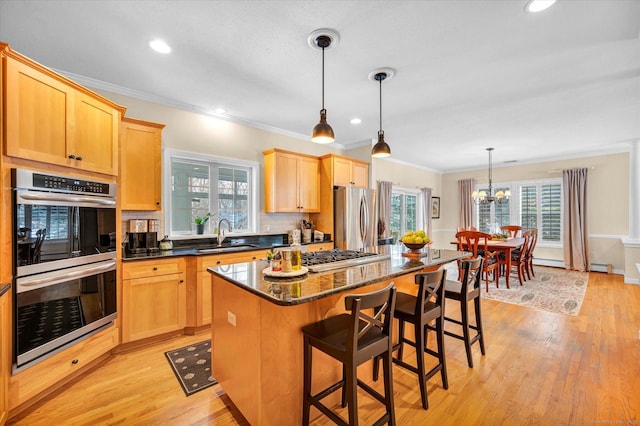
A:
<point x="336" y="170"/>
<point x="350" y="172"/>
<point x="51" y="119"/>
<point x="140" y="165"/>
<point x="291" y="182"/>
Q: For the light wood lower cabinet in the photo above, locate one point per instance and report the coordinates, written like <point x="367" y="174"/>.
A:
<point x="154" y="296"/>
<point x="45" y="377"/>
<point x="199" y="286"/>
<point x="4" y="353"/>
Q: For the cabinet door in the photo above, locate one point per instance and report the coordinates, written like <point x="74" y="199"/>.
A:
<point x="286" y="183"/>
<point x="360" y="174"/>
<point x="36" y="115"/>
<point x="152" y="306"/>
<point x="140" y="166"/>
<point x="4" y="353"/>
<point x="309" y="184"/>
<point x="94" y="145"/>
<point x="341" y="172"/>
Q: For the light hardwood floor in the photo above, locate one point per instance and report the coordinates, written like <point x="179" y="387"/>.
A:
<point x="540" y="368"/>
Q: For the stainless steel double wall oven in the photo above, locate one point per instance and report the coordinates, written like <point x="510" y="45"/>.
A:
<point x="65" y="262"/>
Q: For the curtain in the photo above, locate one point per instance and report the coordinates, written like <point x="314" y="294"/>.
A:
<point x="426" y="211"/>
<point x="465" y="189"/>
<point x="575" y="237"/>
<point x="384" y="208"/>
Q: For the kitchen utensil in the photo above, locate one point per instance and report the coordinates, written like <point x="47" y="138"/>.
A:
<point x="166" y="243"/>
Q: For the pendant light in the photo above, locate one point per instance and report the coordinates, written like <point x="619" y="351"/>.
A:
<point x="481" y="197"/>
<point x="322" y="132"/>
<point x="381" y="149"/>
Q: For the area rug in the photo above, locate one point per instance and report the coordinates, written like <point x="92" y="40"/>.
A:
<point x="192" y="366"/>
<point x="552" y="289"/>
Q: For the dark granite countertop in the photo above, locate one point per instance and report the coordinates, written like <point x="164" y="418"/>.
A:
<point x="312" y="286"/>
<point x="205" y="251"/>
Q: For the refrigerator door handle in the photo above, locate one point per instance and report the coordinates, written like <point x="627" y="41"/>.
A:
<point x="364" y="219"/>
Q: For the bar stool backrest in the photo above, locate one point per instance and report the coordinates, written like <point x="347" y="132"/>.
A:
<point x="372" y="316"/>
<point x="431" y="289"/>
<point x="472" y="276"/>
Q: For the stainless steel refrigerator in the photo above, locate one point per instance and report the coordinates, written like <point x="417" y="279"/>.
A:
<point x="354" y="218"/>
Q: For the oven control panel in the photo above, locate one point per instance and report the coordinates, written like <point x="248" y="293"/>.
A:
<point x="32" y="180"/>
<point x="69" y="184"/>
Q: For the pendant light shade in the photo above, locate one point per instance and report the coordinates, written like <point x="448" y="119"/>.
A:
<point x="322" y="132"/>
<point x="381" y="149"/>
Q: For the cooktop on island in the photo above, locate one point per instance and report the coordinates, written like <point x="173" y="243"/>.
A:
<point x="326" y="260"/>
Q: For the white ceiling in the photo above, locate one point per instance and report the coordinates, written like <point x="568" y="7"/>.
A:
<point x="469" y="74"/>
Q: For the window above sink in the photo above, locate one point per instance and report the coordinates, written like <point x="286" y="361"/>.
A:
<point x="196" y="184"/>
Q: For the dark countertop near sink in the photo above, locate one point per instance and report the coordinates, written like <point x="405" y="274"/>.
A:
<point x="313" y="286"/>
<point x="208" y="246"/>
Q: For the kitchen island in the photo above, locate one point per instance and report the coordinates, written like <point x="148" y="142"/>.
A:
<point x="257" y="343"/>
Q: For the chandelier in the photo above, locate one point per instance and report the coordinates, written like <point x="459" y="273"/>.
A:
<point x="482" y="198"/>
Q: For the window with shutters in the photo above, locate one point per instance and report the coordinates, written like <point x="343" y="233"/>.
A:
<point x="201" y="184"/>
<point x="533" y="204"/>
<point x="492" y="216"/>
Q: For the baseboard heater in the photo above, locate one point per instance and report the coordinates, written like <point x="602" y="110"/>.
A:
<point x="595" y="267"/>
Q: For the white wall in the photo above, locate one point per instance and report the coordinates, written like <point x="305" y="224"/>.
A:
<point x="608" y="208"/>
<point x="608" y="175"/>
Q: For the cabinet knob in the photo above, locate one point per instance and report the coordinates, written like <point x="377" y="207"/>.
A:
<point x="71" y="156"/>
<point x="181" y="281"/>
<point x="155" y="268"/>
<point x="218" y="262"/>
<point x="157" y="203"/>
<point x="79" y="158"/>
<point x="74" y="362"/>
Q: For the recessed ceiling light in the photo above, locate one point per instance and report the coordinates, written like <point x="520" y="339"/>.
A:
<point x="355" y="121"/>
<point x="220" y="111"/>
<point x="534" y="6"/>
<point x="159" y="46"/>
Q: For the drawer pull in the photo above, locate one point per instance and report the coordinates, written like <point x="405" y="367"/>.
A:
<point x="155" y="268"/>
<point x="74" y="362"/>
<point x="218" y="262"/>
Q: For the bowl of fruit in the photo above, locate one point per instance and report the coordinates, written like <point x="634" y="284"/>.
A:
<point x="415" y="241"/>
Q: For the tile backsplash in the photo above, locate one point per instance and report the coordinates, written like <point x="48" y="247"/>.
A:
<point x="269" y="223"/>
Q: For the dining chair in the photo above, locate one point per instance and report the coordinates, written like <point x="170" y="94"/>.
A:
<point x="518" y="258"/>
<point x="464" y="291"/>
<point x="476" y="243"/>
<point x="511" y="230"/>
<point x="36" y="249"/>
<point x="421" y="310"/>
<point x="353" y="338"/>
<point x="529" y="254"/>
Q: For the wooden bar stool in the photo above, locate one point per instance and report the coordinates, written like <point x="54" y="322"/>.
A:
<point x="353" y="338"/>
<point x="420" y="310"/>
<point x="464" y="291"/>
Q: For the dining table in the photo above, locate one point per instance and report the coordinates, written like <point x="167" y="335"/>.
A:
<point x="506" y="246"/>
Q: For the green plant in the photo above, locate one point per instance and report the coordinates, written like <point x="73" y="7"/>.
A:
<point x="202" y="220"/>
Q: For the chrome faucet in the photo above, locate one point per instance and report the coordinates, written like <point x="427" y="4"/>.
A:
<point x="221" y="235"/>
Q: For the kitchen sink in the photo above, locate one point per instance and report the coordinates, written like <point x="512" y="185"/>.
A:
<point x="226" y="249"/>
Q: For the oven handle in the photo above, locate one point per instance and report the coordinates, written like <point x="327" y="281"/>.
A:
<point x="67" y="198"/>
<point x="64" y="275"/>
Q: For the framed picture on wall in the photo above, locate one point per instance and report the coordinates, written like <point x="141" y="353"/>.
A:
<point x="435" y="207"/>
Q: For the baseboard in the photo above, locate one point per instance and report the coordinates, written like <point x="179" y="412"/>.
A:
<point x="595" y="267"/>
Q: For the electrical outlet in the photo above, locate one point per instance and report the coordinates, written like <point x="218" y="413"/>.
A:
<point x="231" y="318"/>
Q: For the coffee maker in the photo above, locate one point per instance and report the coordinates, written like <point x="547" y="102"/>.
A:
<point x="142" y="242"/>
